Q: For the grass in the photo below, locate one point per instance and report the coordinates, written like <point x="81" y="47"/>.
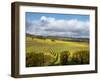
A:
<point x="53" y="50"/>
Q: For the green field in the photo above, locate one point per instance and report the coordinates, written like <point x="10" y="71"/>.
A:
<point x="48" y="52"/>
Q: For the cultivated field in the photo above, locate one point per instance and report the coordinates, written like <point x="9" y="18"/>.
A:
<point x="55" y="52"/>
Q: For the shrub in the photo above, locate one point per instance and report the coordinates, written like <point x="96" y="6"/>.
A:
<point x="64" y="57"/>
<point x="53" y="40"/>
<point x="48" y="59"/>
<point x="81" y="57"/>
<point x="34" y="59"/>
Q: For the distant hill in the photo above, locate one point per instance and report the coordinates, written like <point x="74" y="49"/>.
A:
<point x="59" y="38"/>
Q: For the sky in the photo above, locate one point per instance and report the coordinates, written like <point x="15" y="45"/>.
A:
<point x="62" y="25"/>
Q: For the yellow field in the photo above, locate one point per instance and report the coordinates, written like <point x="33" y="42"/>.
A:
<point x="53" y="52"/>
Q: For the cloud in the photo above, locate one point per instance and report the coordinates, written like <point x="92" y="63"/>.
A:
<point x="49" y="26"/>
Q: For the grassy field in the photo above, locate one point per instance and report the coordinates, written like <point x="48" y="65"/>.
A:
<point x="48" y="52"/>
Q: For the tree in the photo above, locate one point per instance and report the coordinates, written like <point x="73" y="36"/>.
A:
<point x="64" y="57"/>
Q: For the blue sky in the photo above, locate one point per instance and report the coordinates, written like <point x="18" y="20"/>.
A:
<point x="65" y="25"/>
<point x="36" y="16"/>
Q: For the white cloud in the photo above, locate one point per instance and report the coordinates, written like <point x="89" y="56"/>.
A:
<point x="43" y="18"/>
<point x="49" y="26"/>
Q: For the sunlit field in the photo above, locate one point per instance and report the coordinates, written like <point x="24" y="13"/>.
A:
<point x="55" y="52"/>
